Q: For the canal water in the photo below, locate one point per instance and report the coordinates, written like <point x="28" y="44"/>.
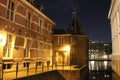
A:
<point x="100" y="70"/>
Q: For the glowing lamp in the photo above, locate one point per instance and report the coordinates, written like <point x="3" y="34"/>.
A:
<point x="2" y="38"/>
<point x="67" y="48"/>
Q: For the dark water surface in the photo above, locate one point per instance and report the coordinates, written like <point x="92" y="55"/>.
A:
<point x="100" y="70"/>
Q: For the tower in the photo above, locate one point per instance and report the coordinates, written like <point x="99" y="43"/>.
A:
<point x="79" y="42"/>
<point x="70" y="46"/>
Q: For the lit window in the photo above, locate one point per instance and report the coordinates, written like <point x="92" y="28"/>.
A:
<point x="48" y="50"/>
<point x="7" y="66"/>
<point x="26" y="51"/>
<point x="28" y="22"/>
<point x="10" y="11"/>
<point x="40" y="27"/>
<point x="49" y="30"/>
<point x="60" y="40"/>
<point x="39" y="50"/>
<point x="38" y="63"/>
<point x="26" y="64"/>
<point x="8" y="46"/>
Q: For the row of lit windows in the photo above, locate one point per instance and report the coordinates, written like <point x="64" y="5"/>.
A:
<point x="61" y="40"/>
<point x="7" y="50"/>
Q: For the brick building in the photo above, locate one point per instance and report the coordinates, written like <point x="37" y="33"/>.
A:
<point x="70" y="46"/>
<point x="25" y="34"/>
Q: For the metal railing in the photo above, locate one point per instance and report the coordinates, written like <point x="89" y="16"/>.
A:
<point x="31" y="69"/>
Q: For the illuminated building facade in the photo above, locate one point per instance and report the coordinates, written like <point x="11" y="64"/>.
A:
<point x="70" y="46"/>
<point x="114" y="16"/>
<point x="25" y="35"/>
<point x="99" y="55"/>
<point x="99" y="50"/>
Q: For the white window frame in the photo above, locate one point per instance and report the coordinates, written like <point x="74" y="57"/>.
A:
<point x="10" y="10"/>
<point x="27" y="49"/>
<point x="40" y="26"/>
<point x="60" y="40"/>
<point x="7" y="50"/>
<point x="39" y="53"/>
<point x="28" y="20"/>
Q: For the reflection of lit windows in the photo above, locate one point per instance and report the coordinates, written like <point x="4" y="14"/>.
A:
<point x="8" y="46"/>
<point x="10" y="11"/>
<point x="60" y="40"/>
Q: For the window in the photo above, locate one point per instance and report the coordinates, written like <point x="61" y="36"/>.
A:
<point x="26" y="51"/>
<point x="39" y="50"/>
<point x="48" y="50"/>
<point x="40" y="27"/>
<point x="7" y="66"/>
<point x="26" y="64"/>
<point x="10" y="11"/>
<point x="28" y="22"/>
<point x="38" y="63"/>
<point x="60" y="40"/>
<point x="49" y="30"/>
<point x="8" y="46"/>
<point x="72" y="40"/>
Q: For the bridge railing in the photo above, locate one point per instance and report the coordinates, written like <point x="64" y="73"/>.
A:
<point x="19" y="71"/>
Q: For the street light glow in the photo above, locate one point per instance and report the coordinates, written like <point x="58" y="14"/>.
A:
<point x="67" y="48"/>
<point x="2" y="38"/>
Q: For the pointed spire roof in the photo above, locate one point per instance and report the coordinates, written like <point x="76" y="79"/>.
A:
<point x="75" y="28"/>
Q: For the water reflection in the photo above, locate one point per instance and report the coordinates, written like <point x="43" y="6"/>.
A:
<point x="100" y="70"/>
<point x="99" y="65"/>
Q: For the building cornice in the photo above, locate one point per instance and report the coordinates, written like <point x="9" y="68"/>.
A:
<point x="61" y="34"/>
<point x="38" y="11"/>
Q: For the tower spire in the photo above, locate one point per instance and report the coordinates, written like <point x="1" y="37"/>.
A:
<point x="75" y="28"/>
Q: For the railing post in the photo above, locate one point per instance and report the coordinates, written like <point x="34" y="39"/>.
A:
<point x="27" y="69"/>
<point x="48" y="63"/>
<point x="36" y="68"/>
<point x="56" y="64"/>
<point x="52" y="65"/>
<point x="63" y="65"/>
<point x="42" y="66"/>
<point x="2" y="70"/>
<point x="16" y="70"/>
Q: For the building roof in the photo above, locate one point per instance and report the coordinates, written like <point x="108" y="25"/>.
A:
<point x="59" y="31"/>
<point x="75" y="28"/>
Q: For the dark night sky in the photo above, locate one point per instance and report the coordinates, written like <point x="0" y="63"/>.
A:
<point x="93" y="15"/>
